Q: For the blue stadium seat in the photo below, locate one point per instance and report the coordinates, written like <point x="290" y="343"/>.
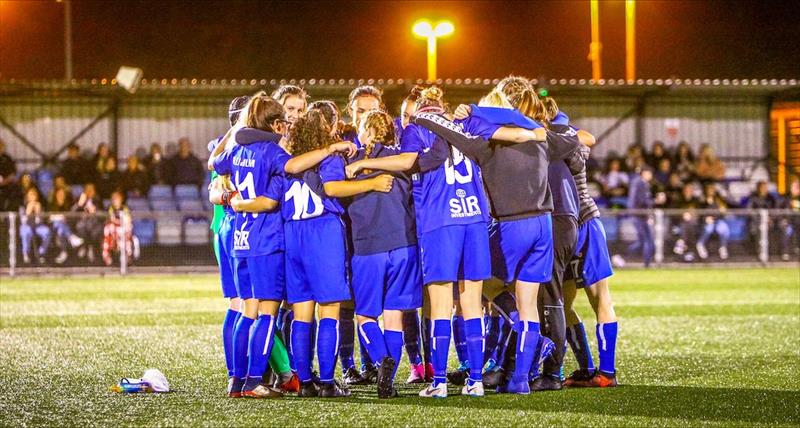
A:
<point x="76" y="190"/>
<point x="196" y="231"/>
<point x="138" y="204"/>
<point x="145" y="230"/>
<point x="164" y="205"/>
<point x="160" y="192"/>
<point x="43" y="175"/>
<point x="193" y="205"/>
<point x="168" y="231"/>
<point x="184" y="192"/>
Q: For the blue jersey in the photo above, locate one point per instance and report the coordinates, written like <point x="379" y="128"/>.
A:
<point x="450" y="194"/>
<point x="252" y="168"/>
<point x="304" y="195"/>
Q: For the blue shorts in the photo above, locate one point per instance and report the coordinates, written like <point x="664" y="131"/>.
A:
<point x="390" y="280"/>
<point x="523" y="249"/>
<point x="260" y="277"/>
<point x="591" y="262"/>
<point x="457" y="252"/>
<point x="224" y="239"/>
<point x="315" y="260"/>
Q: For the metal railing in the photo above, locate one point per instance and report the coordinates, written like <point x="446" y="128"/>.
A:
<point x="183" y="239"/>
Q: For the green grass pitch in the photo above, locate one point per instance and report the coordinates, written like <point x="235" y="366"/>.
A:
<point x="696" y="347"/>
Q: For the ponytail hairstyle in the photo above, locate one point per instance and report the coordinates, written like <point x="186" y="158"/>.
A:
<point x="310" y="132"/>
<point x="329" y="111"/>
<point x="286" y="91"/>
<point x="414" y="94"/>
<point x="383" y="126"/>
<point x="431" y="97"/>
<point x="550" y="108"/>
<point x="522" y="96"/>
<point x="261" y="112"/>
<point x="236" y="107"/>
<point x="495" y="98"/>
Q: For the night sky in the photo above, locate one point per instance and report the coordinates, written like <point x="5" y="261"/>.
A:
<point x="250" y="39"/>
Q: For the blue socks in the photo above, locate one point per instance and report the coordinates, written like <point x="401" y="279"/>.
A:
<point x="287" y="316"/>
<point x="363" y="352"/>
<point x="301" y="335"/>
<point x="372" y="336"/>
<point x="440" y="347"/>
<point x="327" y="347"/>
<point x="228" y="326"/>
<point x="394" y="345"/>
<point x="411" y="335"/>
<point x="527" y="339"/>
<point x="427" y="333"/>
<point x="579" y="343"/>
<point x="261" y="340"/>
<point x="474" y="331"/>
<point x="460" y="339"/>
<point x="607" y="346"/>
<point x="241" y="336"/>
<point x="347" y="337"/>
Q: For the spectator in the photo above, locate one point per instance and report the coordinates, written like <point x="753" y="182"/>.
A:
<point x="118" y="217"/>
<point x="663" y="171"/>
<point x="791" y="201"/>
<point x="155" y="165"/>
<point x="26" y="183"/>
<point x="89" y="228"/>
<point x="657" y="154"/>
<point x="100" y="157"/>
<point x="60" y="183"/>
<point x="640" y="197"/>
<point x="185" y="167"/>
<point x="60" y="202"/>
<point x="135" y="181"/>
<point x="687" y="227"/>
<point x="713" y="223"/>
<point x="683" y="163"/>
<point x="763" y="199"/>
<point x="634" y="158"/>
<point x="674" y="188"/>
<point x="75" y="168"/>
<point x="32" y="225"/>
<point x="108" y="178"/>
<point x="708" y="167"/>
<point x="615" y="182"/>
<point x="9" y="192"/>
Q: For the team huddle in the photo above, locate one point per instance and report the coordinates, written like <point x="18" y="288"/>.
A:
<point x="480" y="217"/>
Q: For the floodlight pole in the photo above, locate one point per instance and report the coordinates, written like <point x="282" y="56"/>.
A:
<point x="630" y="40"/>
<point x="595" y="47"/>
<point x="67" y="40"/>
<point x="432" y="57"/>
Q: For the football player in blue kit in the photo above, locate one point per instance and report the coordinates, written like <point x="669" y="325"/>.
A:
<point x="257" y="242"/>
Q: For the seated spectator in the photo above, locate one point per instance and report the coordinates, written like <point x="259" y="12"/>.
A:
<point x="683" y="162"/>
<point x="33" y="225"/>
<point x="185" y="167"/>
<point x="135" y="181"/>
<point x="60" y="202"/>
<point x="687" y="224"/>
<point x="27" y="183"/>
<point x="708" y="166"/>
<point x="89" y="227"/>
<point x="155" y="165"/>
<point x="763" y="199"/>
<point x="108" y="178"/>
<point x="119" y="217"/>
<point x="674" y="188"/>
<point x="663" y="171"/>
<point x="9" y="192"/>
<point x="657" y="154"/>
<point x="75" y="169"/>
<point x="791" y="202"/>
<point x="641" y="197"/>
<point x="713" y="223"/>
<point x="634" y="158"/>
<point x="100" y="157"/>
<point x="59" y="182"/>
<point x="615" y="181"/>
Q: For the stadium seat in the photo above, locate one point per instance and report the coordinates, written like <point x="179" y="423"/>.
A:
<point x="164" y="205"/>
<point x="160" y="192"/>
<point x="738" y="228"/>
<point x="168" y="231"/>
<point x="185" y="192"/>
<point x="138" y="204"/>
<point x="627" y="231"/>
<point x="611" y="225"/>
<point x="76" y="190"/>
<point x="196" y="231"/>
<point x="145" y="230"/>
<point x="193" y="205"/>
<point x="740" y="190"/>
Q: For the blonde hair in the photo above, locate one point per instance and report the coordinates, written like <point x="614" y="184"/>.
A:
<point x="285" y="91"/>
<point x="550" y="108"/>
<point x="382" y="124"/>
<point x="495" y="98"/>
<point x="431" y="97"/>
<point x="522" y="96"/>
